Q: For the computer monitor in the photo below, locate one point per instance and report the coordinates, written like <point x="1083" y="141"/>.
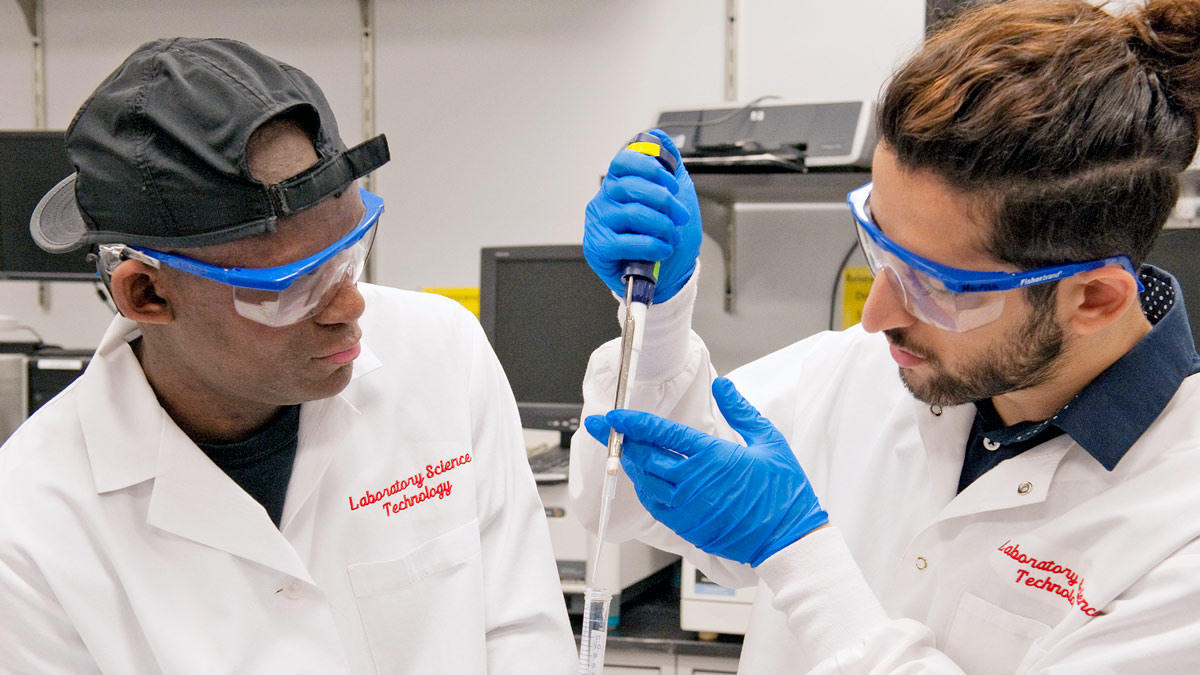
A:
<point x="32" y="162"/>
<point x="545" y="311"/>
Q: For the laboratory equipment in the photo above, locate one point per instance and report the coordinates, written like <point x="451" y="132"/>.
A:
<point x="49" y="370"/>
<point x="708" y="607"/>
<point x="1177" y="250"/>
<point x="32" y="162"/>
<point x="773" y="135"/>
<point x="545" y="311"/>
<point x="594" y="631"/>
<point x="640" y="277"/>
<point x="31" y="375"/>
<point x="12" y="392"/>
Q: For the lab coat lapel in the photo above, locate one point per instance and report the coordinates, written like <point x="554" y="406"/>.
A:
<point x="1019" y="481"/>
<point x="121" y="431"/>
<point x="944" y="437"/>
<point x="194" y="499"/>
<point x="324" y="426"/>
<point x="131" y="439"/>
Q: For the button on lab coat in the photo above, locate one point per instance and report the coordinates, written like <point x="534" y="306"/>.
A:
<point x="412" y="537"/>
<point x="1046" y="563"/>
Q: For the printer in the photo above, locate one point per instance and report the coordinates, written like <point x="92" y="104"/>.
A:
<point x="773" y="136"/>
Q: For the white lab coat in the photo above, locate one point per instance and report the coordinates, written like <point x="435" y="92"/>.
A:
<point x="1004" y="577"/>
<point x="123" y="549"/>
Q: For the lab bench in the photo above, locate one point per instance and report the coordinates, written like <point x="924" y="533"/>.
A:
<point x="649" y="641"/>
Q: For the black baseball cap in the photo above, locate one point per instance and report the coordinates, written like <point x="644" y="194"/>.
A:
<point x="159" y="151"/>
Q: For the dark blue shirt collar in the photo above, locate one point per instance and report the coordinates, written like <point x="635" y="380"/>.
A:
<point x="1108" y="416"/>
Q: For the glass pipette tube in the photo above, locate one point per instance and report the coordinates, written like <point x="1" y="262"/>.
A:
<point x="594" y="634"/>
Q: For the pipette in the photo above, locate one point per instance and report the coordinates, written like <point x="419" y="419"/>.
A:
<point x="640" y="278"/>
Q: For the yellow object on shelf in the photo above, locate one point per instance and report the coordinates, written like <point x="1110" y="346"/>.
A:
<point x="467" y="296"/>
<point x="856" y="284"/>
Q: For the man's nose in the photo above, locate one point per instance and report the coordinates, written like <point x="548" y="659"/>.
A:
<point x="346" y="305"/>
<point x="885" y="308"/>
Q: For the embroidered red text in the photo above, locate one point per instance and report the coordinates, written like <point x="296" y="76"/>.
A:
<point x="407" y="501"/>
<point x="445" y="465"/>
<point x="401" y="484"/>
<point x="400" y="496"/>
<point x="1072" y="591"/>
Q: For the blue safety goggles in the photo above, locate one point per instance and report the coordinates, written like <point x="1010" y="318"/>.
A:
<point x="947" y="297"/>
<point x="282" y="295"/>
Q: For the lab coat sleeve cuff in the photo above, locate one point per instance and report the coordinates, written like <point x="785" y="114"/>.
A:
<point x="819" y="588"/>
<point x="666" y="341"/>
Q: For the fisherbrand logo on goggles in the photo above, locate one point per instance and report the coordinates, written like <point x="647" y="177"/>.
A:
<point x="1041" y="279"/>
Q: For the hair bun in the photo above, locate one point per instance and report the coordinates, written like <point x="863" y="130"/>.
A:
<point x="1169" y="31"/>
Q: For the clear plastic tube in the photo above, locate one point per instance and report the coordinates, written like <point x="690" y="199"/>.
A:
<point x="631" y="349"/>
<point x="594" y="633"/>
<point x="596" y="601"/>
<point x="606" y="500"/>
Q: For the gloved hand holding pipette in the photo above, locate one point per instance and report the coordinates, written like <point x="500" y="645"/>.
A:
<point x="741" y="502"/>
<point x="642" y="236"/>
<point x="643" y="212"/>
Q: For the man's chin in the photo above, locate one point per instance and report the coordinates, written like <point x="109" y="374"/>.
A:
<point x="928" y="391"/>
<point x="327" y="387"/>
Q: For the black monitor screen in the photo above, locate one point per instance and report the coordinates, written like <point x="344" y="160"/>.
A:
<point x="32" y="162"/>
<point x="545" y="311"/>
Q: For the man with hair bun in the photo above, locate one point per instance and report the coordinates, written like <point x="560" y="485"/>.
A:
<point x="997" y="471"/>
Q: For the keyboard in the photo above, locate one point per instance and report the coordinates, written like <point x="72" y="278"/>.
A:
<point x="550" y="465"/>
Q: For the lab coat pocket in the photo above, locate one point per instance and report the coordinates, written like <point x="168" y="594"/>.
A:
<point x="986" y="639"/>
<point x="424" y="612"/>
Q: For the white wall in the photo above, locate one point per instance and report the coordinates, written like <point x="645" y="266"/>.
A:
<point x="501" y="114"/>
<point x="822" y="50"/>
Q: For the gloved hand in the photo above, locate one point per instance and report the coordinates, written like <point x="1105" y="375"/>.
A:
<point x="642" y="212"/>
<point x="739" y="502"/>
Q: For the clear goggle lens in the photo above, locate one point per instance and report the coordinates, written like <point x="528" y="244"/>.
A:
<point x="308" y="294"/>
<point x="927" y="298"/>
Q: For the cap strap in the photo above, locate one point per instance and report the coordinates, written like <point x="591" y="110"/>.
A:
<point x="306" y="189"/>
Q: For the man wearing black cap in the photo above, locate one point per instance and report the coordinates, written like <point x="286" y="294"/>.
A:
<point x="266" y="468"/>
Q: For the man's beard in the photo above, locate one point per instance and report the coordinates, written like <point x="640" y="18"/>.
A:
<point x="1026" y="357"/>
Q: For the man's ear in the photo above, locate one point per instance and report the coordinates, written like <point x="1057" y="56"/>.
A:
<point x="137" y="291"/>
<point x="1095" y="299"/>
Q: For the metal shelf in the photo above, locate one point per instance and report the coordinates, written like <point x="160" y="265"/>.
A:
<point x="718" y="192"/>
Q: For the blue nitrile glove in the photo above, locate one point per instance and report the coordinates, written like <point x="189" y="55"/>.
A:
<point x="642" y="212"/>
<point x="738" y="502"/>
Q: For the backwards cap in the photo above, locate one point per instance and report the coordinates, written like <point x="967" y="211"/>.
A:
<point x="159" y="151"/>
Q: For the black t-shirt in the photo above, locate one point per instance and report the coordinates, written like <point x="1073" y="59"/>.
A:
<point x="262" y="464"/>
